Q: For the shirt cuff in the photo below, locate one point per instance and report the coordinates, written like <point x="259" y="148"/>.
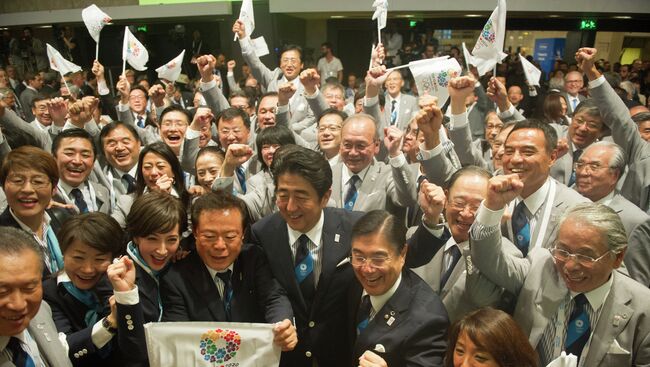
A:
<point x="128" y="298"/>
<point x="209" y="85"/>
<point x="100" y="336"/>
<point x="488" y="217"/>
<point x="506" y="114"/>
<point x="312" y="96"/>
<point x="597" y="82"/>
<point x="459" y="121"/>
<point x="437" y="231"/>
<point x="428" y="154"/>
<point x="102" y="88"/>
<point x="230" y="73"/>
<point x="370" y="101"/>
<point x="122" y="107"/>
<point x="282" y="109"/>
<point x="191" y="134"/>
<point x="397" y="162"/>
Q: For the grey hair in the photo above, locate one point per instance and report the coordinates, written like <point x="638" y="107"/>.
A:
<point x="604" y="219"/>
<point x="616" y="158"/>
<point x="628" y="86"/>
<point x="588" y="106"/>
<point x="14" y="241"/>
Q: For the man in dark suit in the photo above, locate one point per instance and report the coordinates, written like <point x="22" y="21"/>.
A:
<point x="33" y="83"/>
<point x="307" y="245"/>
<point x="233" y="278"/>
<point x="393" y="313"/>
<point x="27" y="332"/>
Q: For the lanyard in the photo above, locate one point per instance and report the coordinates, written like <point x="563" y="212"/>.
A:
<point x="543" y="221"/>
<point x="92" y="206"/>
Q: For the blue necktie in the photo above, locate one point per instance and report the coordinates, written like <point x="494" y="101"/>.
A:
<point x="79" y="200"/>
<point x="454" y="251"/>
<point x="140" y="122"/>
<point x="304" y="270"/>
<point x="393" y="113"/>
<point x="130" y="183"/>
<point x="521" y="228"/>
<point x="20" y="357"/>
<point x="227" y="291"/>
<point x="574" y="104"/>
<point x="241" y="176"/>
<point x="576" y="156"/>
<point x="351" y="195"/>
<point x="578" y="327"/>
<point x="363" y="316"/>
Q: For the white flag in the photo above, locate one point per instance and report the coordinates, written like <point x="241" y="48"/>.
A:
<point x="60" y="64"/>
<point x="211" y="344"/>
<point x="489" y="46"/>
<point x="532" y="73"/>
<point x="433" y="75"/>
<point x="247" y="16"/>
<point x="260" y="46"/>
<point x="133" y="51"/>
<point x="171" y="70"/>
<point x="381" y="13"/>
<point x="95" y="19"/>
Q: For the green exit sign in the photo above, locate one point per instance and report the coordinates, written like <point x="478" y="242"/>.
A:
<point x="587" y="24"/>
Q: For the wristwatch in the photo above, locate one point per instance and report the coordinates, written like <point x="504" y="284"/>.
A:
<point x="107" y="325"/>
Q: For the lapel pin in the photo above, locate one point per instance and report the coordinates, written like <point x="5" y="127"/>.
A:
<point x="337" y="237"/>
<point x="390" y="321"/>
<point x="617" y="320"/>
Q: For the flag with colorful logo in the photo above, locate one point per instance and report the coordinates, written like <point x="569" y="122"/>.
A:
<point x="211" y="344"/>
<point x="488" y="50"/>
<point x="532" y="72"/>
<point x="59" y="63"/>
<point x="171" y="70"/>
<point x="433" y="75"/>
<point x="95" y="19"/>
<point x="133" y="51"/>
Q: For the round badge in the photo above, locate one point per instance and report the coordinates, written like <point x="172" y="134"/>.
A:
<point x="579" y="323"/>
<point x="303" y="267"/>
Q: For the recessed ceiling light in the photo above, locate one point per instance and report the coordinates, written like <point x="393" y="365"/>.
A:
<point x="337" y="16"/>
<point x="553" y="16"/>
<point x="473" y="15"/>
<point x="622" y="17"/>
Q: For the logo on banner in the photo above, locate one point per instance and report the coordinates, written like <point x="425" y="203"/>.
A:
<point x="488" y="31"/>
<point x="134" y="49"/>
<point x="219" y="347"/>
<point x="445" y="76"/>
<point x="171" y="64"/>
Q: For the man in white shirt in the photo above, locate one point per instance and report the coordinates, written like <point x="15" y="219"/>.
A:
<point x="329" y="66"/>
<point x="27" y="332"/>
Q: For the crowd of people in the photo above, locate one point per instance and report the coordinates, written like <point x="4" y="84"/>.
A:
<point x="371" y="224"/>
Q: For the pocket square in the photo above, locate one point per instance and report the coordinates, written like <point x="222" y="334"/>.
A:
<point x="343" y="262"/>
<point x="615" y="348"/>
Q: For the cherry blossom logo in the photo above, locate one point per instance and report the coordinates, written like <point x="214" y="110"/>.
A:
<point x="219" y="347"/>
<point x="488" y="32"/>
<point x="134" y="49"/>
<point x="445" y="76"/>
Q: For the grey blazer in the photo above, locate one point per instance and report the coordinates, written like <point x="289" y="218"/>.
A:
<point x="630" y="214"/>
<point x="408" y="105"/>
<point x="102" y="197"/>
<point x="11" y="121"/>
<point x="383" y="187"/>
<point x="43" y="330"/>
<point x="636" y="186"/>
<point x="540" y="290"/>
<point x="637" y="257"/>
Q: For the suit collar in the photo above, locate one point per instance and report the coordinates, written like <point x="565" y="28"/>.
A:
<point x="204" y="284"/>
<point x="334" y="251"/>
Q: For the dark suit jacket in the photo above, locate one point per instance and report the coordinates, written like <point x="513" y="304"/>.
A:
<point x="190" y="294"/>
<point x="319" y="326"/>
<point x="417" y="333"/>
<point x="68" y="314"/>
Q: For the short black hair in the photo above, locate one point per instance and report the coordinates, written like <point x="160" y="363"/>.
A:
<point x="73" y="133"/>
<point x="155" y="212"/>
<point x="97" y="230"/>
<point x="465" y="171"/>
<point x="292" y="47"/>
<point x="108" y="128"/>
<point x="332" y="111"/>
<point x="641" y="117"/>
<point x="38" y="99"/>
<point x="141" y="88"/>
<point x="550" y="135"/>
<point x="384" y="223"/>
<point x="306" y="163"/>
<point x="176" y="108"/>
<point x="232" y="113"/>
<point x="277" y="134"/>
<point x="218" y="200"/>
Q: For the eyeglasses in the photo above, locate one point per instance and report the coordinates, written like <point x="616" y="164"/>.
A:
<point x="332" y="128"/>
<point x="37" y="182"/>
<point x="412" y="132"/>
<point x="461" y="205"/>
<point x="226" y="132"/>
<point x="292" y="60"/>
<point x="579" y="121"/>
<point x="169" y="124"/>
<point x="374" y="262"/>
<point x="582" y="260"/>
<point x="579" y="166"/>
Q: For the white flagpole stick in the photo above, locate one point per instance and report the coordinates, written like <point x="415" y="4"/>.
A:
<point x="236" y="37"/>
<point x="378" y="32"/>
<point x="123" y="66"/>
<point x="66" y="85"/>
<point x="372" y="50"/>
<point x="97" y="51"/>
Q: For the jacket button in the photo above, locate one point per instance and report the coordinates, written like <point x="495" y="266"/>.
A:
<point x="312" y="324"/>
<point x="76" y="355"/>
<point x="308" y="354"/>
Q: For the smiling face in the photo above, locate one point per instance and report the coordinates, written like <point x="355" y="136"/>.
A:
<point x="207" y="169"/>
<point x="74" y="159"/>
<point x="268" y="151"/>
<point x="172" y="129"/>
<point x="20" y="290"/>
<point x="493" y="126"/>
<point x="41" y="112"/>
<point x="358" y="144"/>
<point x="85" y="265"/>
<point x="577" y="237"/>
<point x="377" y="280"/>
<point x="468" y="354"/>
<point x="394" y="83"/>
<point x="121" y="149"/>
<point x="298" y="202"/>
<point x="28" y="194"/>
<point x="595" y="180"/>
<point x="525" y="154"/>
<point x="232" y="131"/>
<point x="157" y="249"/>
<point x="219" y="236"/>
<point x="335" y="97"/>
<point x="291" y="64"/>
<point x="464" y="198"/>
<point x="573" y="82"/>
<point x="329" y="134"/>
<point x="585" y="129"/>
<point x="138" y="101"/>
<point x="154" y="167"/>
<point x="266" y="112"/>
